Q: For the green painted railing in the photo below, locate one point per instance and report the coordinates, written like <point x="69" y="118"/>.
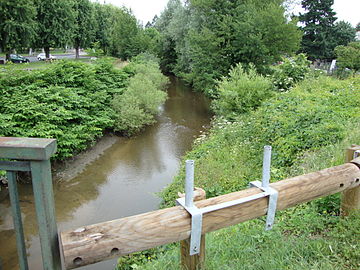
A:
<point x="33" y="155"/>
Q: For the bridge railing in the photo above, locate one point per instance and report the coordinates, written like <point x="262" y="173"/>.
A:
<point x="32" y="155"/>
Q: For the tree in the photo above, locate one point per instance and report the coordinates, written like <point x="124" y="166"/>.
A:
<point x="318" y="41"/>
<point x="167" y="52"/>
<point x="208" y="37"/>
<point x="343" y="33"/>
<point x="84" y="25"/>
<point x="349" y="56"/>
<point x="125" y="35"/>
<point x="103" y="25"/>
<point x="358" y="27"/>
<point x="56" y="23"/>
<point x="17" y="24"/>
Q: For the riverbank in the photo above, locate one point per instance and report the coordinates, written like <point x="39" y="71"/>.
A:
<point x="309" y="127"/>
<point x="70" y="168"/>
<point x="77" y="102"/>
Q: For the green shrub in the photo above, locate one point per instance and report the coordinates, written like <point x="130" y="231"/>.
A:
<point x="290" y="72"/>
<point x="68" y="101"/>
<point x="241" y="92"/>
<point x="349" y="56"/>
<point x="138" y="105"/>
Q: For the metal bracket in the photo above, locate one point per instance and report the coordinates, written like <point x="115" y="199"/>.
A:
<point x="197" y="213"/>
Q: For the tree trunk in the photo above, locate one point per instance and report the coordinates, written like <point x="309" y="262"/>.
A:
<point x="7" y="56"/>
<point x="77" y="52"/>
<point x="47" y="52"/>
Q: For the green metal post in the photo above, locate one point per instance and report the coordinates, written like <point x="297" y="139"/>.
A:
<point x="16" y="213"/>
<point x="38" y="152"/>
<point x="45" y="212"/>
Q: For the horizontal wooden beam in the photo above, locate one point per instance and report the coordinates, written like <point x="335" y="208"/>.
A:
<point x="98" y="242"/>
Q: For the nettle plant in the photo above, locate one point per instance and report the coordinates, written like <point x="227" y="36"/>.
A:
<point x="291" y="71"/>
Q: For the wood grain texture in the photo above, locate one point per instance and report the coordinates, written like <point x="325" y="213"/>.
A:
<point x="350" y="198"/>
<point x="196" y="261"/>
<point x="97" y="242"/>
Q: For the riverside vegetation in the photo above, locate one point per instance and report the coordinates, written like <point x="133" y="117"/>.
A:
<point x="308" y="126"/>
<point x="77" y="102"/>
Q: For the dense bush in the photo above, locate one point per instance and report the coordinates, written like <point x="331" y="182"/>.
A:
<point x="71" y="101"/>
<point x="349" y="56"/>
<point x="68" y="101"/>
<point x="290" y="72"/>
<point x="314" y="114"/>
<point x="138" y="105"/>
<point x="240" y="92"/>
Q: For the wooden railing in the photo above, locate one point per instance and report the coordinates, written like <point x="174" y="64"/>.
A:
<point x="98" y="242"/>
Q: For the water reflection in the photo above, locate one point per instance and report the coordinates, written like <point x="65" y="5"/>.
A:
<point x="119" y="183"/>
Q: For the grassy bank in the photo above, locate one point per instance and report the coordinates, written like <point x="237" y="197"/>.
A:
<point x="309" y="127"/>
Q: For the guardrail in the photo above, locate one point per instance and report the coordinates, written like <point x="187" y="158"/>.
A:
<point x="98" y="242"/>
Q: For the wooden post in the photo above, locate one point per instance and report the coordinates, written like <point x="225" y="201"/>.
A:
<point x="196" y="261"/>
<point x="350" y="198"/>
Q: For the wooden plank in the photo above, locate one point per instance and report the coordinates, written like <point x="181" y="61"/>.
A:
<point x="94" y="243"/>
<point x="27" y="148"/>
<point x="196" y="261"/>
<point x="350" y="199"/>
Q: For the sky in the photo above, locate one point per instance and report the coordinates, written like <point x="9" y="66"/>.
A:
<point x="145" y="10"/>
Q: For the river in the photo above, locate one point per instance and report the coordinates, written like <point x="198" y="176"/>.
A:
<point x="121" y="182"/>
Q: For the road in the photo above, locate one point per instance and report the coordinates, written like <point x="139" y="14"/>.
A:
<point x="58" y="56"/>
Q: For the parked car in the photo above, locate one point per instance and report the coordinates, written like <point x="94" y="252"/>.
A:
<point x="42" y="56"/>
<point x="16" y="58"/>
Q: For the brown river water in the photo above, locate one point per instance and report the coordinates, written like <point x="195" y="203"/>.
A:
<point x="120" y="182"/>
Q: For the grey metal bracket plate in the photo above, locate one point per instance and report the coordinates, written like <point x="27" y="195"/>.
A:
<point x="273" y="197"/>
<point x="197" y="213"/>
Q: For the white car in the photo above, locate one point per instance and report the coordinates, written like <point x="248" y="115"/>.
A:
<point x="42" y="56"/>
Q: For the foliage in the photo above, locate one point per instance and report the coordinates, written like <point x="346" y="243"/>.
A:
<point x="226" y="160"/>
<point x="316" y="113"/>
<point x="95" y="50"/>
<point x="325" y="242"/>
<point x="17" y="24"/>
<point x="138" y="105"/>
<point x="56" y="22"/>
<point x="138" y="259"/>
<point x="240" y="92"/>
<point x="357" y="28"/>
<point x="103" y="26"/>
<point x="319" y="21"/>
<point x="68" y="101"/>
<point x="343" y="33"/>
<point x="125" y="35"/>
<point x="291" y="71"/>
<point x="203" y="39"/>
<point x="349" y="56"/>
<point x="321" y="33"/>
<point x="84" y="25"/>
